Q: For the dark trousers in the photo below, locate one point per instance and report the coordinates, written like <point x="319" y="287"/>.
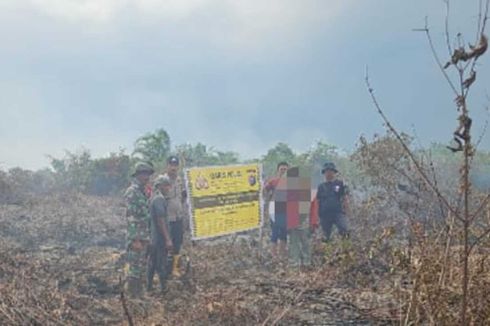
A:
<point x="157" y="262"/>
<point x="278" y="231"/>
<point x="328" y="220"/>
<point x="177" y="234"/>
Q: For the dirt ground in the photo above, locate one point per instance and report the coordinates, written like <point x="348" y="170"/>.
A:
<point x="62" y="259"/>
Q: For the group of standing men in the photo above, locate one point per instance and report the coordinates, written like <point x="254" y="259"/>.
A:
<point x="155" y="216"/>
<point x="155" y="226"/>
<point x="329" y="206"/>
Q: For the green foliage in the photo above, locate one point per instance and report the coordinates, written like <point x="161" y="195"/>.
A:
<point x="322" y="152"/>
<point x="318" y="154"/>
<point x="201" y="155"/>
<point x="441" y="156"/>
<point x="313" y="159"/>
<point x="38" y="182"/>
<point x="480" y="175"/>
<point x="153" y="147"/>
<point x="79" y="171"/>
<point x="102" y="176"/>
<point x="447" y="165"/>
<point x="17" y="184"/>
<point x="111" y="174"/>
<point x="73" y="171"/>
<point x="279" y="153"/>
<point x="383" y="162"/>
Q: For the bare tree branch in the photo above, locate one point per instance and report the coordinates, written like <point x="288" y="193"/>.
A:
<point x="479" y="239"/>
<point x="436" y="184"/>
<point x="406" y="149"/>
<point x="481" y="207"/>
<point x="125" y="306"/>
<point x="448" y="44"/>
<point x="436" y="57"/>
<point x="478" y="27"/>
<point x="483" y="133"/>
<point x="482" y="23"/>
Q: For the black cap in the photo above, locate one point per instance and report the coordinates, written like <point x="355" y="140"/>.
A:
<point x="173" y="160"/>
<point x="329" y="166"/>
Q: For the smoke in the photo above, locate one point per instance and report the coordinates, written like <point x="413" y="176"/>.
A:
<point x="480" y="178"/>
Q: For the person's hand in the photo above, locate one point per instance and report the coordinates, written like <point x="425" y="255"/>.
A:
<point x="312" y="229"/>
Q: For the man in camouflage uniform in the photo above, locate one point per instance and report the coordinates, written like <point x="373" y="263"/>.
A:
<point x="176" y="198"/>
<point x="137" y="235"/>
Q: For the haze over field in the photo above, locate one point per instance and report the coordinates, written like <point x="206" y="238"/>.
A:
<point x="239" y="76"/>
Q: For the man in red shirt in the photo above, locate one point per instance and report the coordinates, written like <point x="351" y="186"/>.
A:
<point x="278" y="222"/>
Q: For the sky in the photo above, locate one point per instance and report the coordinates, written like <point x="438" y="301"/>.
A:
<point x="235" y="75"/>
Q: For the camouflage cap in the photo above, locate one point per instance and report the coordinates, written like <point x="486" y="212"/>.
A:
<point x="161" y="180"/>
<point x="142" y="167"/>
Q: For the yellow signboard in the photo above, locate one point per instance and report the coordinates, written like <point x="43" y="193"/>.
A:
<point x="224" y="199"/>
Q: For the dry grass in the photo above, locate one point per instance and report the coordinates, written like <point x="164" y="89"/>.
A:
<point x="61" y="264"/>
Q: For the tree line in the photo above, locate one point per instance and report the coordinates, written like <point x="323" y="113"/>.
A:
<point x="79" y="171"/>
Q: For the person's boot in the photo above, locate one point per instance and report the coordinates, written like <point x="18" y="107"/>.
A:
<point x="133" y="287"/>
<point x="149" y="284"/>
<point x="149" y="280"/>
<point x="163" y="282"/>
<point x="175" y="266"/>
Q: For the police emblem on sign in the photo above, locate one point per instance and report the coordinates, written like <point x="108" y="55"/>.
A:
<point x="252" y="179"/>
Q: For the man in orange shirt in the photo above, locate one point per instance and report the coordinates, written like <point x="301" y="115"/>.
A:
<point x="278" y="222"/>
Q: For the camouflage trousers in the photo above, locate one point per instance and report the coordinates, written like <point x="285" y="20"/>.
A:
<point x="136" y="258"/>
<point x="299" y="247"/>
<point x="137" y="242"/>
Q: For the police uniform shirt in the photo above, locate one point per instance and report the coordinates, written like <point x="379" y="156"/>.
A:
<point x="330" y="195"/>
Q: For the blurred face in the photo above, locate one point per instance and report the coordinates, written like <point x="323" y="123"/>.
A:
<point x="172" y="169"/>
<point x="329" y="174"/>
<point x="143" y="177"/>
<point x="164" y="188"/>
<point x="282" y="169"/>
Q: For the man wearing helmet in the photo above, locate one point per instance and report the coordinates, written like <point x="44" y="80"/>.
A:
<point x="137" y="235"/>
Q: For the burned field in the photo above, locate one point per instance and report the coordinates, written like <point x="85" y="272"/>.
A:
<point x="62" y="263"/>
